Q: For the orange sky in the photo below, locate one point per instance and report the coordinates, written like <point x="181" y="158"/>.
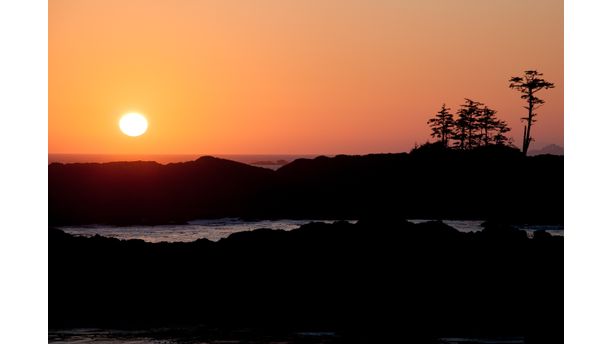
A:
<point x="301" y="77"/>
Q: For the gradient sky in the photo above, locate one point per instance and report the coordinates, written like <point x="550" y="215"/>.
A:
<point x="301" y="77"/>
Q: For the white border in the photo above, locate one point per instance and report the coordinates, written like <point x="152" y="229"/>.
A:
<point x="588" y="170"/>
<point x="23" y="171"/>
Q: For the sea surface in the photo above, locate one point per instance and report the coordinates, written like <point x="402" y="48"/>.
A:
<point x="168" y="336"/>
<point x="271" y="161"/>
<point x="221" y="228"/>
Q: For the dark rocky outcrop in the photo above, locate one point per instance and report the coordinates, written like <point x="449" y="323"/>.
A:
<point x="151" y="193"/>
<point x="495" y="183"/>
<point x="368" y="281"/>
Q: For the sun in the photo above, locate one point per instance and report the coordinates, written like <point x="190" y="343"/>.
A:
<point x="133" y="124"/>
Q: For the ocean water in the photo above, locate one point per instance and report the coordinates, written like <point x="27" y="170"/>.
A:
<point x="271" y="161"/>
<point x="167" y="336"/>
<point x="221" y="228"/>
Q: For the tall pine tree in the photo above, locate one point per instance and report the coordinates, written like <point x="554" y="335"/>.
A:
<point x="500" y="138"/>
<point x="442" y="125"/>
<point x="466" y="126"/>
<point x="487" y="123"/>
<point x="529" y="84"/>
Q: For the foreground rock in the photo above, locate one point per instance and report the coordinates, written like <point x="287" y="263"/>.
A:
<point x="405" y="281"/>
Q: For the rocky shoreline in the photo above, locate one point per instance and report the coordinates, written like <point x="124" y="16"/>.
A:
<point x="419" y="280"/>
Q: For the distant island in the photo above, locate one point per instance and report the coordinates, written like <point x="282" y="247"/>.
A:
<point x="548" y="149"/>
<point x="280" y="162"/>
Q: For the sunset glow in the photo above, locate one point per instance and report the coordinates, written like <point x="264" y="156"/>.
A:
<point x="299" y="77"/>
<point x="133" y="124"/>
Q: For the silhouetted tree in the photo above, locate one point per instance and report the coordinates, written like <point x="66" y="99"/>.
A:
<point x="460" y="132"/>
<point x="466" y="125"/>
<point x="500" y="138"/>
<point x="476" y="125"/>
<point x="529" y="84"/>
<point x="487" y="123"/>
<point x="442" y="125"/>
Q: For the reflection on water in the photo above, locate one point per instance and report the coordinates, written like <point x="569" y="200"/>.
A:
<point x="169" y="336"/>
<point x="184" y="336"/>
<point x="86" y="336"/>
<point x="222" y="228"/>
<point x="514" y="340"/>
<point x="199" y="229"/>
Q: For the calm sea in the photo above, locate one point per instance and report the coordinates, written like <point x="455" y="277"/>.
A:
<point x="221" y="228"/>
<point x="272" y="161"/>
<point x="167" y="336"/>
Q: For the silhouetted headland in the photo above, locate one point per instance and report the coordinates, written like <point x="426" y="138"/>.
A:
<point x="413" y="281"/>
<point x="491" y="183"/>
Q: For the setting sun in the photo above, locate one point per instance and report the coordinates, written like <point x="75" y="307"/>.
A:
<point x="133" y="124"/>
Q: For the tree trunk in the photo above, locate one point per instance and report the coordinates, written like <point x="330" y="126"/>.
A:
<point x="524" y="140"/>
<point x="527" y="135"/>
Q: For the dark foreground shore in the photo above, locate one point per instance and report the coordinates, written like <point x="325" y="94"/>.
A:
<point x="410" y="282"/>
